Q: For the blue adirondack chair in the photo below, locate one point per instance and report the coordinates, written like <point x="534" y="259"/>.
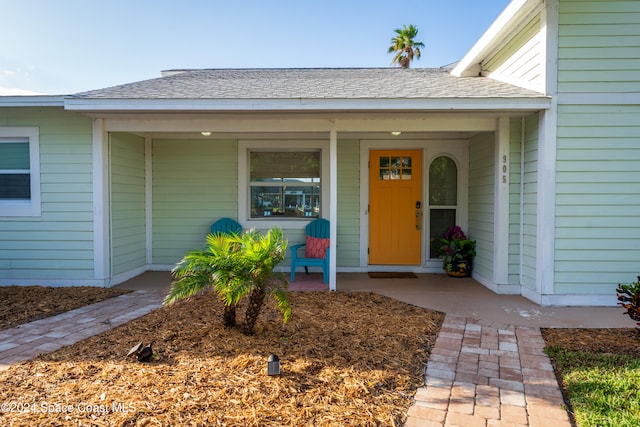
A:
<point x="226" y="225"/>
<point x="317" y="229"/>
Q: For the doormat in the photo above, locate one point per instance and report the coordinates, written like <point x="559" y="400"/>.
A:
<point x="392" y="275"/>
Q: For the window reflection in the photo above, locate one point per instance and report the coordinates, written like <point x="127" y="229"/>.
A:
<point x="285" y="184"/>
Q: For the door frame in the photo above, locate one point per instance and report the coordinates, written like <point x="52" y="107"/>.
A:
<point x="408" y="251"/>
<point x="457" y="149"/>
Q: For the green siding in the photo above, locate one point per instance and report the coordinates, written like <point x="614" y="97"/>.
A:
<point x="481" y="201"/>
<point x="599" y="46"/>
<point x="598" y="197"/>
<point x="348" y="250"/>
<point x="530" y="203"/>
<point x="195" y="182"/>
<point x="520" y="58"/>
<point x="58" y="245"/>
<point x="127" y="203"/>
<point x="515" y="157"/>
<point x="513" y="45"/>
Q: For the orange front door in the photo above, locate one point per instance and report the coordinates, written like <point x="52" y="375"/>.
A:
<point x="395" y="207"/>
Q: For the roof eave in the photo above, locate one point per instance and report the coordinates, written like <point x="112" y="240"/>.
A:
<point x="253" y="105"/>
<point x="32" y="101"/>
<point x="468" y="66"/>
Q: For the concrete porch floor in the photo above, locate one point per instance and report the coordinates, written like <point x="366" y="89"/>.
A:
<point x="457" y="296"/>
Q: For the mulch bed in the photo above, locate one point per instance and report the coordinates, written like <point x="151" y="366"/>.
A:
<point x="346" y="359"/>
<point x="623" y="341"/>
<point x="21" y="304"/>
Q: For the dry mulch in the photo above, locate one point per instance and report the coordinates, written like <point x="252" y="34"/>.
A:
<point x="21" y="304"/>
<point x="346" y="358"/>
<point x="622" y="341"/>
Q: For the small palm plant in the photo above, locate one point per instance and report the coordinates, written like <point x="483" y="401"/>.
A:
<point x="236" y="266"/>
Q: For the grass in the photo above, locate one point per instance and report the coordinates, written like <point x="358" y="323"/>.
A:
<point x="604" y="389"/>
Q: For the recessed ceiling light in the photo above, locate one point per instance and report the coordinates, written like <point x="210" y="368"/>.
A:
<point x="206" y="133"/>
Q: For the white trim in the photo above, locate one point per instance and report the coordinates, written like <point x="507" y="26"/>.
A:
<point x="570" y="300"/>
<point x="367" y="104"/>
<point x="469" y="65"/>
<point x="501" y="204"/>
<point x="521" y="201"/>
<point x="32" y="101"/>
<point x="54" y="283"/>
<point x="549" y="27"/>
<point x="101" y="205"/>
<point x="304" y="123"/>
<point x="547" y="151"/>
<point x="546" y="209"/>
<point x="31" y="207"/>
<point x="457" y="149"/>
<point x="579" y="300"/>
<point x="501" y="289"/>
<point x="148" y="197"/>
<point x="531" y="295"/>
<point x="333" y="206"/>
<point x="243" y="180"/>
<point x="123" y="277"/>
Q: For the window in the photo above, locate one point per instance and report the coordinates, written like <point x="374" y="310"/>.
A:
<point x="443" y="200"/>
<point x="395" y="168"/>
<point x="284" y="184"/>
<point x="19" y="172"/>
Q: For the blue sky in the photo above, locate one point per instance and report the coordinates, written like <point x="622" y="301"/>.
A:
<point x="68" y="46"/>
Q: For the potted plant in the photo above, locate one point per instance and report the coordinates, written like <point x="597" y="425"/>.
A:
<point x="457" y="252"/>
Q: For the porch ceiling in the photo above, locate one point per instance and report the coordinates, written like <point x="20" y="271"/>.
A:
<point x="305" y="126"/>
<point x="404" y="136"/>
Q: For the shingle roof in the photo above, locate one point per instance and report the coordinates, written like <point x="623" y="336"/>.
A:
<point x="311" y="83"/>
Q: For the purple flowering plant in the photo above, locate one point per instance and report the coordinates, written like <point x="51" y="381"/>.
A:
<point x="456" y="248"/>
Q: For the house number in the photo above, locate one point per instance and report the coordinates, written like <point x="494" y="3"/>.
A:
<point x="504" y="168"/>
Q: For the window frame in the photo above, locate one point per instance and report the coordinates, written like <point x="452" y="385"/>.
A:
<point x="244" y="185"/>
<point x="25" y="207"/>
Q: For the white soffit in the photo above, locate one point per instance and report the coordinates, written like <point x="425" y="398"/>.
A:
<point x="504" y="24"/>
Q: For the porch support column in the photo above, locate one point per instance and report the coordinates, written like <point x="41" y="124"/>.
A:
<point x="501" y="206"/>
<point x="333" y="206"/>
<point x="101" y="237"/>
<point x="148" y="199"/>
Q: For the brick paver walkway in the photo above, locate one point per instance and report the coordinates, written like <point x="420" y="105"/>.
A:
<point x="45" y="335"/>
<point x="489" y="375"/>
<point x="479" y="373"/>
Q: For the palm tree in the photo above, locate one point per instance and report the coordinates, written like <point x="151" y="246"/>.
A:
<point x="236" y="266"/>
<point x="404" y="46"/>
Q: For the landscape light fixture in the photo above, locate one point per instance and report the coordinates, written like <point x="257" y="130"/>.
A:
<point x="273" y="365"/>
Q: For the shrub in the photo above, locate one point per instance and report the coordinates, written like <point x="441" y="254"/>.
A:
<point x="629" y="297"/>
<point x="236" y="266"/>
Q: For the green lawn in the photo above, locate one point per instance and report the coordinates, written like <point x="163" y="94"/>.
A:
<point x="604" y="389"/>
